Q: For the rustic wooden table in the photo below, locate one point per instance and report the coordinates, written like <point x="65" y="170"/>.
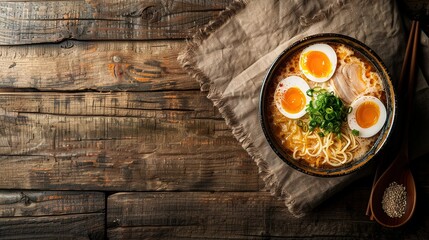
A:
<point x="103" y="135"/>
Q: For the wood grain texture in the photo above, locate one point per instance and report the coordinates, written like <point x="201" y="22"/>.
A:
<point x="119" y="141"/>
<point x="26" y="22"/>
<point x="49" y="203"/>
<point x="51" y="215"/>
<point x="149" y="129"/>
<point x="101" y="66"/>
<point x="75" y="226"/>
<point x="191" y="215"/>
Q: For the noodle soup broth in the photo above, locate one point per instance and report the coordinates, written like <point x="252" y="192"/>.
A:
<point x="342" y="122"/>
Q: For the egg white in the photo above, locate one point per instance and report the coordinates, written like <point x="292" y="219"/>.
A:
<point x="374" y="129"/>
<point x="283" y="86"/>
<point x="329" y="52"/>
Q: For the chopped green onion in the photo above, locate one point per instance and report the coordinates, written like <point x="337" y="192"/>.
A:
<point x="305" y="128"/>
<point x="313" y="123"/>
<point x="318" y="119"/>
<point x="302" y="125"/>
<point x="337" y="129"/>
<point x="326" y="111"/>
<point x="355" y="132"/>
<point x="329" y="117"/>
<point x="317" y="89"/>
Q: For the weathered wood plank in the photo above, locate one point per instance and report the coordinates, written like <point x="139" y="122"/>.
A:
<point x="51" y="215"/>
<point x="49" y="203"/>
<point x="119" y="141"/>
<point x="25" y="22"/>
<point x="187" y="104"/>
<point x="105" y="66"/>
<point x="247" y="216"/>
<point x="75" y="226"/>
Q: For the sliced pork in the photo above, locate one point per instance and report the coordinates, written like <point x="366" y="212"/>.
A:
<point x="348" y="82"/>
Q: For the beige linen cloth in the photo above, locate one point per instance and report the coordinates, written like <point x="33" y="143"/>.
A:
<point x="232" y="54"/>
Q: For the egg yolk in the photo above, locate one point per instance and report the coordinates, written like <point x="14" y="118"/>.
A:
<point x="367" y="114"/>
<point x="293" y="100"/>
<point x="317" y="63"/>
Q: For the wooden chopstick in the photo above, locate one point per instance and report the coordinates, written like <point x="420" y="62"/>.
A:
<point x="409" y="65"/>
<point x="411" y="82"/>
<point x="405" y="65"/>
<point x="407" y="92"/>
<point x="412" y="73"/>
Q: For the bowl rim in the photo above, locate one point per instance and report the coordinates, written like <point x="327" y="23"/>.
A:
<point x="391" y="107"/>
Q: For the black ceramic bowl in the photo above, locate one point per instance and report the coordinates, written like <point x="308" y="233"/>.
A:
<point x="364" y="51"/>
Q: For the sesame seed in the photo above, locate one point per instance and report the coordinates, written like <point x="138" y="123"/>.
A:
<point x="394" y="200"/>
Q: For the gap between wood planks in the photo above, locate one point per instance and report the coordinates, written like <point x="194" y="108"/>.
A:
<point x="32" y="90"/>
<point x="103" y="211"/>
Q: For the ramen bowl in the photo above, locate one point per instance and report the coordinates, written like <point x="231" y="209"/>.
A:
<point x="366" y="148"/>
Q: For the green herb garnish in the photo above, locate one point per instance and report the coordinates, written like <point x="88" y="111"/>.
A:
<point x="326" y="111"/>
<point x="355" y="132"/>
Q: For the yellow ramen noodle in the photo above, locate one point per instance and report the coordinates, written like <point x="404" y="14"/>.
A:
<point x="331" y="150"/>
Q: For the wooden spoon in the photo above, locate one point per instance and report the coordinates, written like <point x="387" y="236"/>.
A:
<point x="399" y="170"/>
<point x="400" y="173"/>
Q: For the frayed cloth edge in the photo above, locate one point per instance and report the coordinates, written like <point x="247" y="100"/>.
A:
<point x="188" y="62"/>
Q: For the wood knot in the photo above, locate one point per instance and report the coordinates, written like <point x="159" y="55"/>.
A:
<point x="151" y="69"/>
<point x="25" y="199"/>
<point x="116" y="222"/>
<point x="67" y="44"/>
<point x="149" y="13"/>
<point x="116" y="59"/>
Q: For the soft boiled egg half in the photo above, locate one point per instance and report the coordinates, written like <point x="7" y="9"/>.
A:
<point x="368" y="116"/>
<point x="291" y="98"/>
<point x="318" y="62"/>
